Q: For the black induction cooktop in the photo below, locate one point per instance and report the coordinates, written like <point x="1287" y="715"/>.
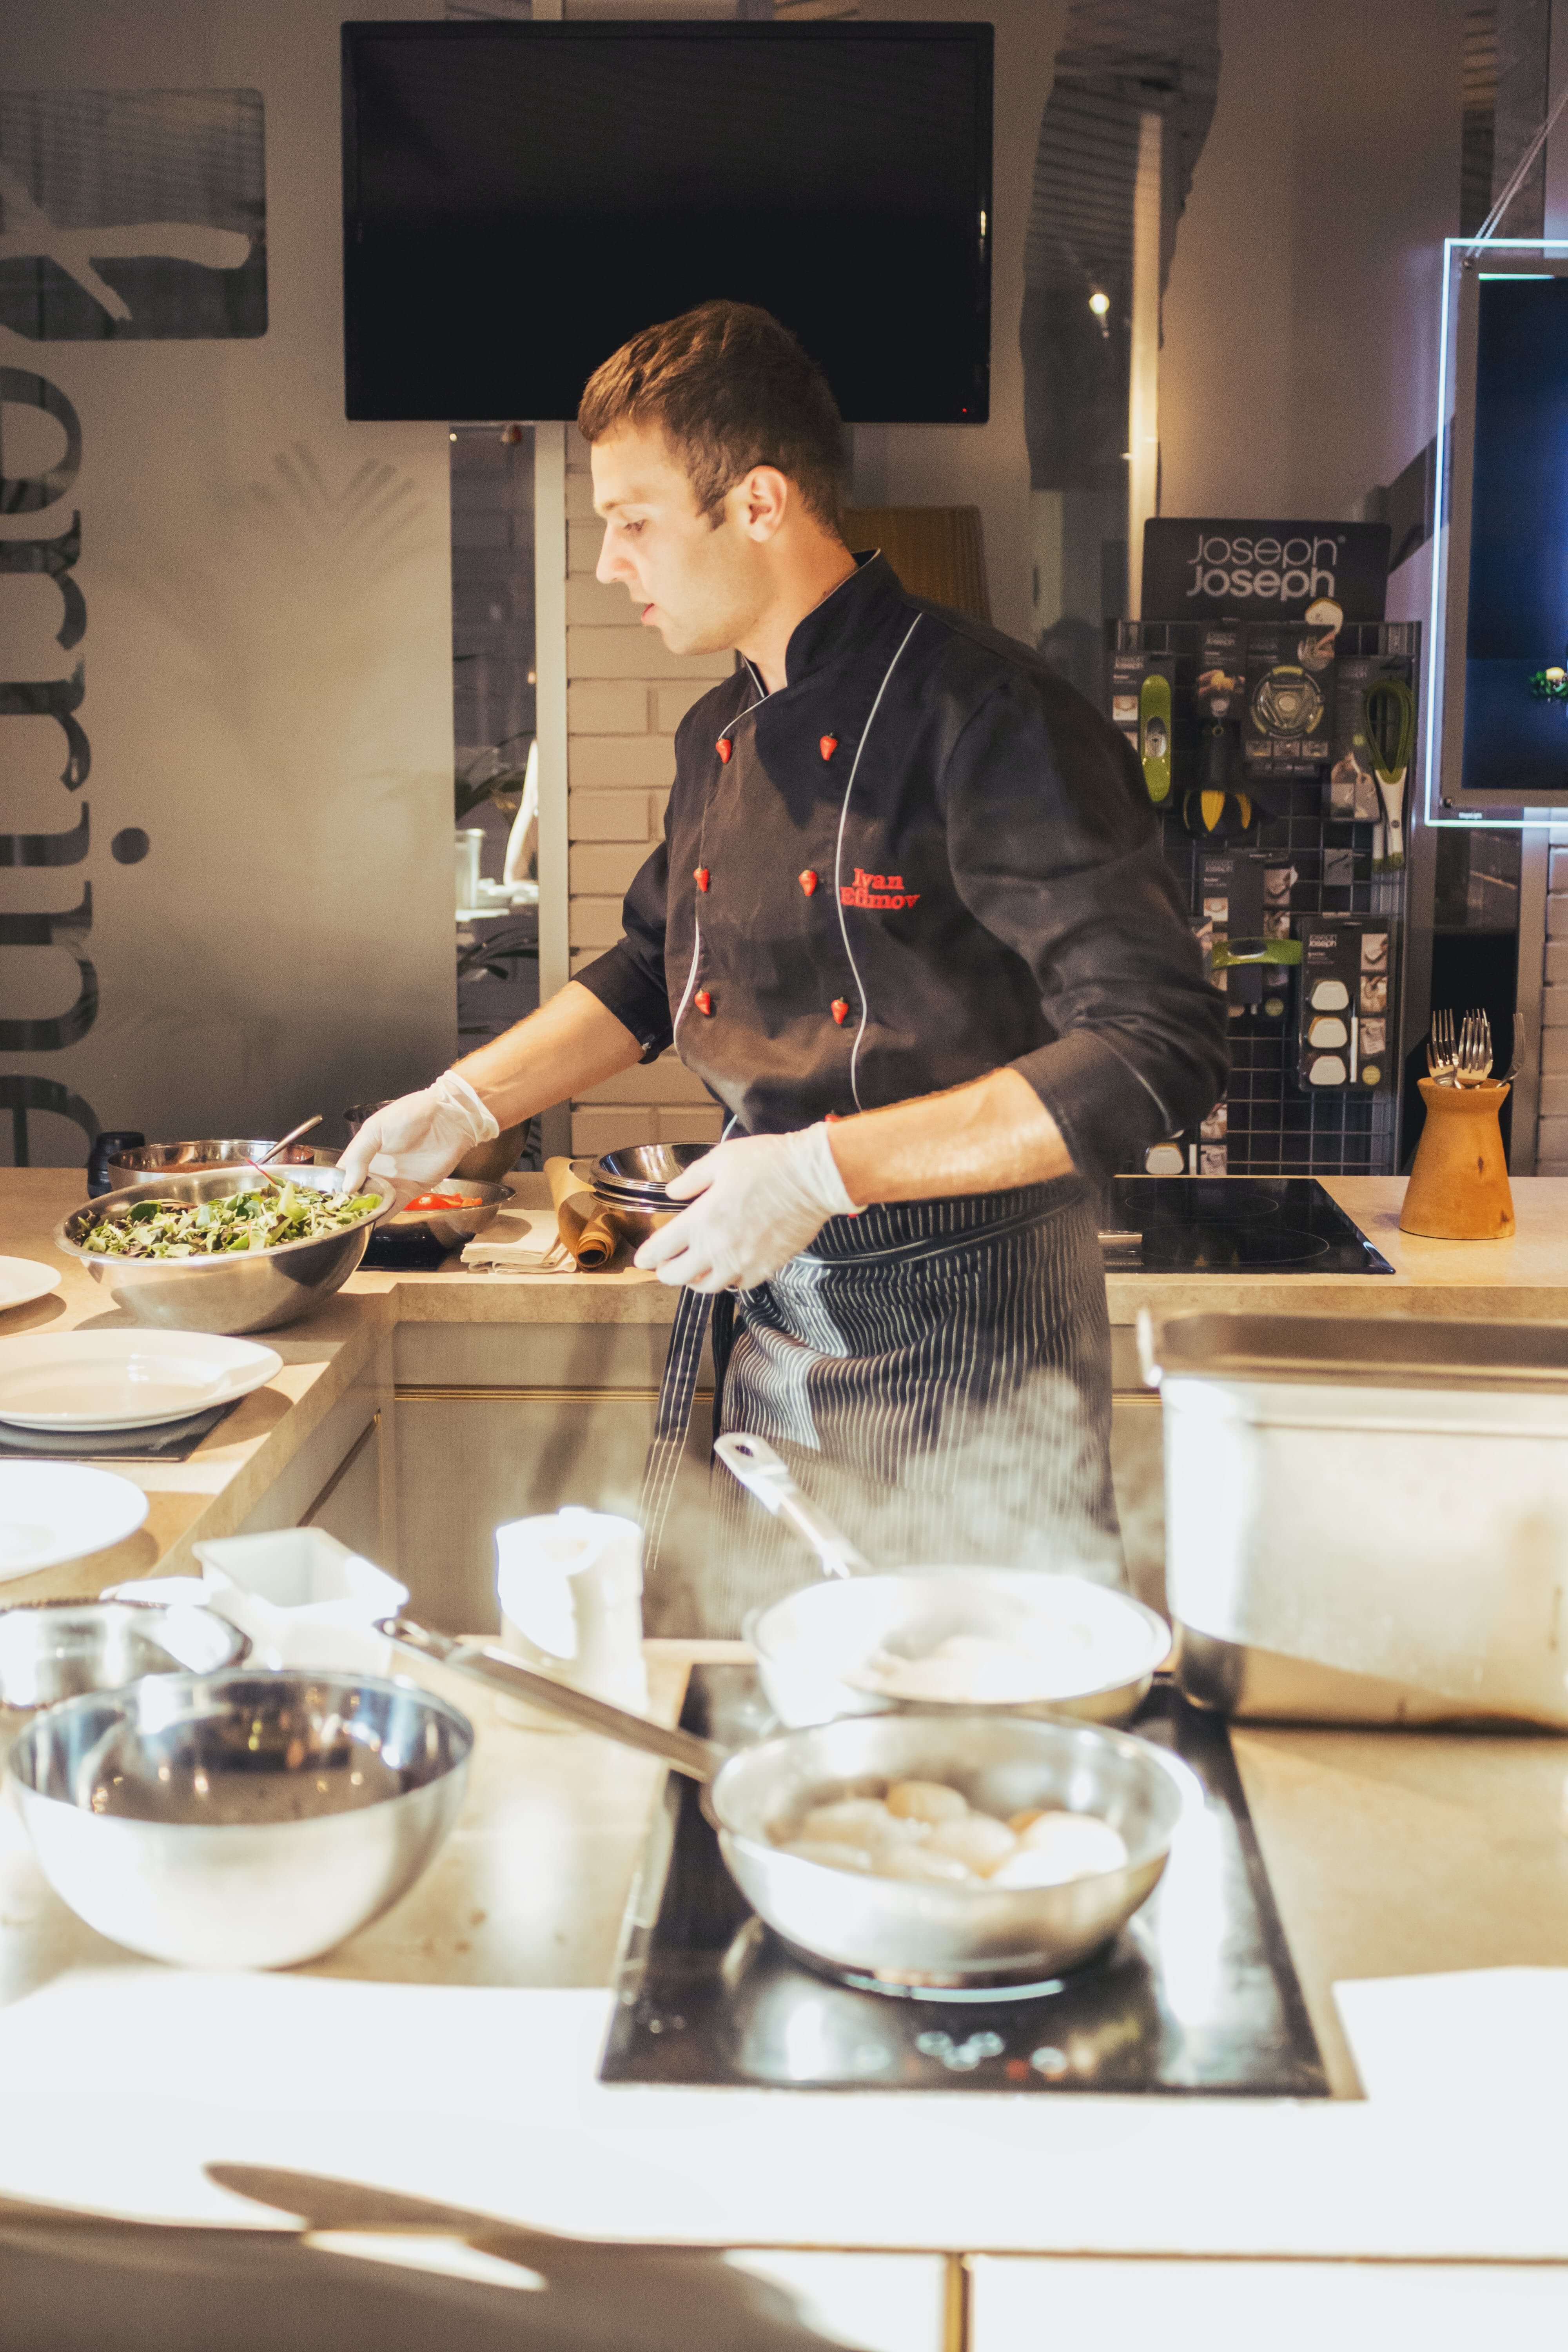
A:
<point x="1197" y="1994"/>
<point x="1231" y="1224"/>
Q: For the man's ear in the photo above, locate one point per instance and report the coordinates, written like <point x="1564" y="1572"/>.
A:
<point x="762" y="499"/>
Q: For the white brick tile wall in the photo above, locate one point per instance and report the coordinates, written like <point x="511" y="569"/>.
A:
<point x="600" y="1131"/>
<point x="1552" y="1146"/>
<point x="616" y="762"/>
<point x="1554" y="1053"/>
<point x="690" y="1126"/>
<point x="636" y="652"/>
<point x="668" y="1080"/>
<point x="1554" y="1007"/>
<point x="626" y="697"/>
<point x="580" y="497"/>
<point x="1557" y="915"/>
<point x="613" y="816"/>
<point x="603" y="602"/>
<point x="671" y="703"/>
<point x="1554" y="1098"/>
<point x="595" y="922"/>
<point x="605" y="865"/>
<point x="584" y="541"/>
<point x="609" y="707"/>
<point x="1557" y="963"/>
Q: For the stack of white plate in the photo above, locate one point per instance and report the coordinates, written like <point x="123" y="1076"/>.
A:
<point x="65" y="1381"/>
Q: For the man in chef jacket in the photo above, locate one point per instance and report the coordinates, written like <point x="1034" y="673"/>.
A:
<point x="911" y="924"/>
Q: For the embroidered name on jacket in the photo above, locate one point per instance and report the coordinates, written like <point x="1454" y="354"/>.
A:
<point x="880" y="890"/>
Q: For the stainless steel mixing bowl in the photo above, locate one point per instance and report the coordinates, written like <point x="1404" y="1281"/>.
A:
<point x="239" y="1821"/>
<point x="246" y="1290"/>
<point x="147" y="1160"/>
<point x="54" y="1650"/>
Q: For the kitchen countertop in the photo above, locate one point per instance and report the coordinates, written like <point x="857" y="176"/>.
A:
<point x="450" y="2049"/>
<point x="1524" y="1279"/>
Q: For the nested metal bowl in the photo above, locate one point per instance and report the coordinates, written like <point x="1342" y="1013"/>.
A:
<point x="814" y="1646"/>
<point x="55" y="1649"/>
<point x="239" y="1821"/>
<point x="149" y="1161"/>
<point x="907" y="1936"/>
<point x="242" y="1291"/>
<point x="637" y="1175"/>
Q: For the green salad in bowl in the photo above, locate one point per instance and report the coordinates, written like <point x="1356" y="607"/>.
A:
<point x="263" y="1219"/>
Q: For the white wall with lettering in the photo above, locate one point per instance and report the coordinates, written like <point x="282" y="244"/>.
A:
<point x="266" y="658"/>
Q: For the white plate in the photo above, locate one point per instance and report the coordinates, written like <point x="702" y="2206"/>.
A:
<point x="22" y="1278"/>
<point x="53" y="1511"/>
<point x="124" y="1379"/>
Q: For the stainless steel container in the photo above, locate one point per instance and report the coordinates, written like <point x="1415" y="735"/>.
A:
<point x="249" y="1290"/>
<point x="1366" y="1521"/>
<point x="54" y="1650"/>
<point x="240" y="1821"/>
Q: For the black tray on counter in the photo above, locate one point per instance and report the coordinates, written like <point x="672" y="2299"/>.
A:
<point x="1197" y="1994"/>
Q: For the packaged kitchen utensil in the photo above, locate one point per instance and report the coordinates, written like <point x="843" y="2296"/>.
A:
<point x="1366" y="1521"/>
<point x="1342" y="1004"/>
<point x="569" y="1584"/>
<point x="1285" y="723"/>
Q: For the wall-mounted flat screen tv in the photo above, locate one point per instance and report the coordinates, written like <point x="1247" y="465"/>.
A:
<point x="517" y="199"/>
<point x="1502" y="573"/>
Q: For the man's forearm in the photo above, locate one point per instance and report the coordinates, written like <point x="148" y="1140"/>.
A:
<point x="986" y="1137"/>
<point x="568" y="1046"/>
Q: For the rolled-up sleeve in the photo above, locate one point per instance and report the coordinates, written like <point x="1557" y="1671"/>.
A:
<point x="629" y="978"/>
<point x="1054" y="850"/>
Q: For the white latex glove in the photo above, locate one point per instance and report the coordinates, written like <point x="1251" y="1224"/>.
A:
<point x="420" y="1137"/>
<point x="757" y="1202"/>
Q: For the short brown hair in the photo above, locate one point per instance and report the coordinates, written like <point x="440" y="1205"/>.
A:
<point x="730" y="388"/>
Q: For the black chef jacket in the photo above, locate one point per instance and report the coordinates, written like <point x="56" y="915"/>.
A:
<point x="925" y="856"/>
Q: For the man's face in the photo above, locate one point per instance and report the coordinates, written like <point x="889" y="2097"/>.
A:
<point x="699" y="584"/>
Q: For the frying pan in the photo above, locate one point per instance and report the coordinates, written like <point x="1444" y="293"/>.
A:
<point x="896" y="1935"/>
<point x="814" y="1646"/>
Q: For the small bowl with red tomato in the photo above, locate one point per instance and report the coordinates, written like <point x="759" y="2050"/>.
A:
<point x="451" y="1213"/>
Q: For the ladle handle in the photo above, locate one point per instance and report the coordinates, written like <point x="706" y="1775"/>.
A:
<point x="698" y="1758"/>
<point x="763" y="1474"/>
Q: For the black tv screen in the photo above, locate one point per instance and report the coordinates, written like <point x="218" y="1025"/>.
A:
<point x="517" y="199"/>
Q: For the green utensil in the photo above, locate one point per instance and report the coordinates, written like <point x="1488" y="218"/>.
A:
<point x="1388" y="722"/>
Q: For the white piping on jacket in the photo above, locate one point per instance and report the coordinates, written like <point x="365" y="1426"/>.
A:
<point x="838" y="862"/>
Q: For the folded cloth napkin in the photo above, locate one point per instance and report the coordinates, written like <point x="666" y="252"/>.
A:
<point x="518" y="1238"/>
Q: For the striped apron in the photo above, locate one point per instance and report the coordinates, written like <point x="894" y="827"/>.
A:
<point x="937" y="1375"/>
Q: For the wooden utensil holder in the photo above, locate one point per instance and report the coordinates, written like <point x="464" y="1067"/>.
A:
<point x="1458" y="1189"/>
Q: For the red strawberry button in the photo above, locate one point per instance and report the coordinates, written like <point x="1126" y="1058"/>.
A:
<point x="807" y="881"/>
<point x="724" y="747"/>
<point x="703" y="1002"/>
<point x="840" y="1010"/>
<point x="699" y="875"/>
<point x="827" y="745"/>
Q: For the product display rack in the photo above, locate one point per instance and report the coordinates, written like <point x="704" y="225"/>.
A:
<point x="1274" y="1125"/>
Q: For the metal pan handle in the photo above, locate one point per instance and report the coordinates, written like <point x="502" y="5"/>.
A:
<point x="763" y="1474"/>
<point x="698" y="1758"/>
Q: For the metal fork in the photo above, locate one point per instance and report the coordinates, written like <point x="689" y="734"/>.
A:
<point x="1442" y="1054"/>
<point x="1475" y="1050"/>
